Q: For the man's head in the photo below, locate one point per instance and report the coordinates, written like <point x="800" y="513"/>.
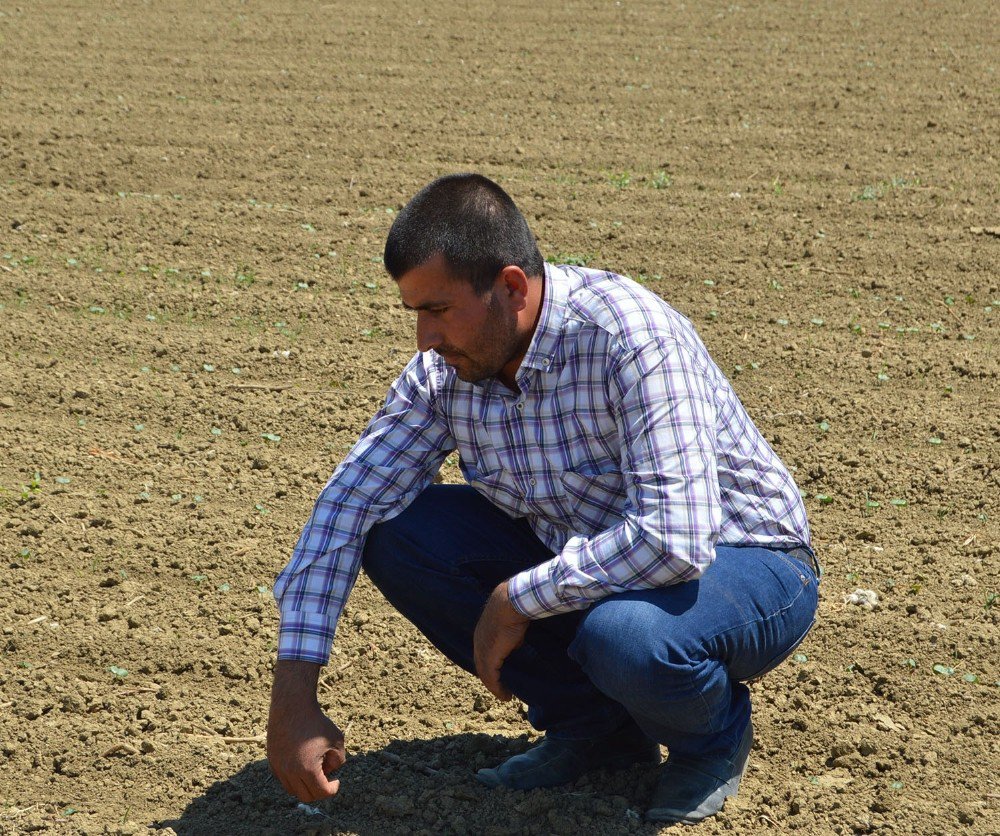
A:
<point x="466" y="262"/>
<point x="472" y="223"/>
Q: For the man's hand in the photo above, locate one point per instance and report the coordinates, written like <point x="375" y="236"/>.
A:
<point x="499" y="633"/>
<point x="303" y="745"/>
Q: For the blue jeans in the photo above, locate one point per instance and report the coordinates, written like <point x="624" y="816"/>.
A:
<point x="671" y="660"/>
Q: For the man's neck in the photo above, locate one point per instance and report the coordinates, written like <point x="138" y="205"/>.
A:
<point x="527" y="324"/>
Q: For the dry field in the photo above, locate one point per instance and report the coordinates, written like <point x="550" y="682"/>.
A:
<point x="194" y="325"/>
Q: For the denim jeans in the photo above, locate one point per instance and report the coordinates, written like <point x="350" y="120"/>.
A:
<point x="672" y="660"/>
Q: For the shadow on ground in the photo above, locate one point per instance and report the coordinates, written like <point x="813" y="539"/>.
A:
<point x="416" y="786"/>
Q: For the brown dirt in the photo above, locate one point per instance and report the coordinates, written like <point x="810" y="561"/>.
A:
<point x="193" y="208"/>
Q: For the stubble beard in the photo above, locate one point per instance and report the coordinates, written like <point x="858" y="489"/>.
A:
<point x="499" y="344"/>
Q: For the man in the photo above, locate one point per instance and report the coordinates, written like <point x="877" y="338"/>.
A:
<point x="628" y="550"/>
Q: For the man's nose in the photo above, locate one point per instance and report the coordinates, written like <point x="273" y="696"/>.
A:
<point x="428" y="335"/>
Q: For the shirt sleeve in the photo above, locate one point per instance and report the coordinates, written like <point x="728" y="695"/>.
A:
<point x="392" y="462"/>
<point x="673" y="511"/>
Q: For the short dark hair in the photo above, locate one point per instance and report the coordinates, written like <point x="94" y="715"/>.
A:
<point x="472" y="223"/>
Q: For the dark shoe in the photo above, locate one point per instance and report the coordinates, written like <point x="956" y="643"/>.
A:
<point x="553" y="761"/>
<point x="692" y="789"/>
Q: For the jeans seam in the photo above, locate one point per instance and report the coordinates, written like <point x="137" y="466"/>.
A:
<point x="774" y="661"/>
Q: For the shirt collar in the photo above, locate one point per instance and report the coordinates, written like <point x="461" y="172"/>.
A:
<point x="541" y="353"/>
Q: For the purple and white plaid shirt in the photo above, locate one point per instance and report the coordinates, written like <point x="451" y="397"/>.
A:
<point x="626" y="449"/>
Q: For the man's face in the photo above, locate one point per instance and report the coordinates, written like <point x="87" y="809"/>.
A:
<point x="475" y="335"/>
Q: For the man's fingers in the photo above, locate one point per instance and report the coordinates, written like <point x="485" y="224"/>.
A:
<point x="333" y="759"/>
<point x="501" y="692"/>
<point x="490" y="676"/>
<point x="499" y="631"/>
<point x="309" y="786"/>
<point x="315" y="786"/>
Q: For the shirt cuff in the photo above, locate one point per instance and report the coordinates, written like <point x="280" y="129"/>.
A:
<point x="534" y="594"/>
<point x="306" y="636"/>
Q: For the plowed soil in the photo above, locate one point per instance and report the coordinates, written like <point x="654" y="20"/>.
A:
<point x="195" y="325"/>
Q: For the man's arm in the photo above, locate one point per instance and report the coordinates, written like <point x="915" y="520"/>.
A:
<point x="388" y="467"/>
<point x="393" y="461"/>
<point x="672" y="514"/>
<point x="303" y="745"/>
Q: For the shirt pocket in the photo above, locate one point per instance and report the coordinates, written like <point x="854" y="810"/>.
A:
<point x="596" y="500"/>
<point x="499" y="488"/>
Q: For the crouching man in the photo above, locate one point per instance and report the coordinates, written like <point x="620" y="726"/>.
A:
<point x="628" y="550"/>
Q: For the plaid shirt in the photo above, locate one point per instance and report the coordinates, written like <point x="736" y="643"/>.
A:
<point x="626" y="449"/>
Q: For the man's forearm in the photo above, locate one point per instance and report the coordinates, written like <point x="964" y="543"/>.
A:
<point x="294" y="681"/>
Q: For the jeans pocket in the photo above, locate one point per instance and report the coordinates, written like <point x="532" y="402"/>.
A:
<point x="805" y="573"/>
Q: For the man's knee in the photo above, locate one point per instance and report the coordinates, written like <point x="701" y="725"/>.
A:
<point x="614" y="645"/>
<point x="631" y="649"/>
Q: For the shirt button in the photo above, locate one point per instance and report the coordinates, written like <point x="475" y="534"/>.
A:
<point x="531" y="482"/>
<point x="520" y="404"/>
<point x="545" y="362"/>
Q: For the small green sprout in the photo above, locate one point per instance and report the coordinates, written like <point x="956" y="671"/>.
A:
<point x="32" y="488"/>
<point x="661" y="180"/>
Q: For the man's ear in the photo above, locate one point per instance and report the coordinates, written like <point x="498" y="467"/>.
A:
<point x="512" y="283"/>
